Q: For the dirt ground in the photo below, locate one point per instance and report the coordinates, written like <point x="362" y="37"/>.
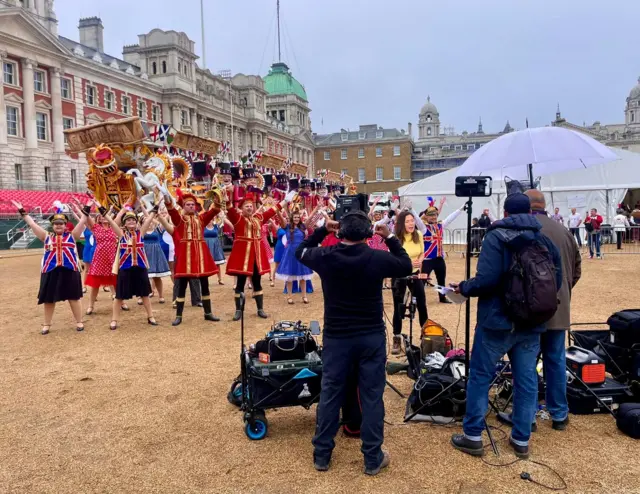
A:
<point x="144" y="409"/>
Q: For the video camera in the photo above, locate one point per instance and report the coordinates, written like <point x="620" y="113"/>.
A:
<point x="345" y="204"/>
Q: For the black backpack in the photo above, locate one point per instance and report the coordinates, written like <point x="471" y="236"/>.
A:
<point x="531" y="291"/>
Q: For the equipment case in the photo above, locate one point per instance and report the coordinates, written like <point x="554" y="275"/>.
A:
<point x="582" y="402"/>
<point x="625" y="327"/>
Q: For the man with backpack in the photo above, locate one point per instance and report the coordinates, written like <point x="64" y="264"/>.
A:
<point x="518" y="276"/>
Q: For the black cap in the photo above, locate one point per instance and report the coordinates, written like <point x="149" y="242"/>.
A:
<point x="281" y="177"/>
<point x="225" y="168"/>
<point x="305" y="182"/>
<point x="517" y="204"/>
<point x="248" y="173"/>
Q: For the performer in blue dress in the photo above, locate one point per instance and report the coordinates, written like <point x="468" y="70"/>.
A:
<point x="158" y="263"/>
<point x="87" y="254"/>
<point x="290" y="269"/>
<point x="212" y="233"/>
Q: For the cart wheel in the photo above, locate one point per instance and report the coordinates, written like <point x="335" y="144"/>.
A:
<point x="256" y="428"/>
<point x="234" y="396"/>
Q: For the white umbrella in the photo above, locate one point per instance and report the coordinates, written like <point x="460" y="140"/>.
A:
<point x="548" y="149"/>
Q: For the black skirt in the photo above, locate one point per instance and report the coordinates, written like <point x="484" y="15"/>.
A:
<point x="133" y="282"/>
<point x="58" y="285"/>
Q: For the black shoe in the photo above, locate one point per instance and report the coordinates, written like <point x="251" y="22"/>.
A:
<point x="461" y="443"/>
<point x="444" y="300"/>
<point x="505" y="419"/>
<point x="211" y="317"/>
<point x="522" y="452"/>
<point x="259" y="305"/>
<point x="151" y="323"/>
<point x="560" y="425"/>
<point x="237" y="315"/>
<point x="262" y="314"/>
<point x="383" y="464"/>
<point x="177" y="321"/>
<point x="321" y="467"/>
<point x="208" y="313"/>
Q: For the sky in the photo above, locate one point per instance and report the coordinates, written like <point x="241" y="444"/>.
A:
<point x="376" y="61"/>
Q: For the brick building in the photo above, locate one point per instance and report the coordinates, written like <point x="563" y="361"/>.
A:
<point x="50" y="83"/>
<point x="379" y="160"/>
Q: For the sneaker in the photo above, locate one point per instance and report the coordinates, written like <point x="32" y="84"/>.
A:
<point x="522" y="452"/>
<point x="383" y="464"/>
<point x="505" y="418"/>
<point x="461" y="443"/>
<point x="560" y="425"/>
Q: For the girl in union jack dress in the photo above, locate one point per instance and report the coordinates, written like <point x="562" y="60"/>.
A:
<point x="131" y="263"/>
<point x="60" y="278"/>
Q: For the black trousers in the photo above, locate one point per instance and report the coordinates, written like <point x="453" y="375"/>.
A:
<point x="619" y="239"/>
<point x="576" y="233"/>
<point x="202" y="284"/>
<point x="368" y="353"/>
<point x="416" y="287"/>
<point x="438" y="265"/>
<point x="256" y="281"/>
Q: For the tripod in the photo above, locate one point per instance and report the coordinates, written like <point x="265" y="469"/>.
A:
<point x="467" y="336"/>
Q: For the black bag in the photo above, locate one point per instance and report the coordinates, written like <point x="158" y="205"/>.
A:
<point x="588" y="227"/>
<point x="531" y="292"/>
<point x="628" y="419"/>
<point x="625" y="328"/>
<point x="286" y="345"/>
<point x="582" y="402"/>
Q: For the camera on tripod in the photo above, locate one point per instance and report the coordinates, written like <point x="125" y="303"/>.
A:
<point x="346" y="204"/>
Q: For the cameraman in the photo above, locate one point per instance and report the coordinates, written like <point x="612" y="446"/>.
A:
<point x="354" y="331"/>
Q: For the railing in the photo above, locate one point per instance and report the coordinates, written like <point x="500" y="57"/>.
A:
<point x="50" y="186"/>
<point x="22" y="233"/>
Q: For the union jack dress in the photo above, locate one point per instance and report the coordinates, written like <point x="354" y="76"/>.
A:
<point x="131" y="264"/>
<point x="60" y="278"/>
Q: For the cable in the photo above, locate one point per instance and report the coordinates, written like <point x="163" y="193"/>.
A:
<point x="264" y="50"/>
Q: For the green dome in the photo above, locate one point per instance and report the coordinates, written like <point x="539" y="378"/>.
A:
<point x="280" y="81"/>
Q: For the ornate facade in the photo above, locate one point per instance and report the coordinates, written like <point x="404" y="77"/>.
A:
<point x="51" y="82"/>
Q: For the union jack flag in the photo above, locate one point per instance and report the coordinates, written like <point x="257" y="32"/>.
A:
<point x="59" y="251"/>
<point x="225" y="148"/>
<point x="287" y="163"/>
<point x="254" y="156"/>
<point x="132" y="251"/>
<point x="162" y="133"/>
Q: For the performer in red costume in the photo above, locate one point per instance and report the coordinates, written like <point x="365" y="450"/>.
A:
<point x="193" y="259"/>
<point x="248" y="256"/>
<point x="309" y="197"/>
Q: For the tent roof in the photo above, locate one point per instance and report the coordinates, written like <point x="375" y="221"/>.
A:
<point x="621" y="174"/>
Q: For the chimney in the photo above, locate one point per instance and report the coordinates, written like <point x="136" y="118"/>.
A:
<point x="91" y="33"/>
<point x="409" y="129"/>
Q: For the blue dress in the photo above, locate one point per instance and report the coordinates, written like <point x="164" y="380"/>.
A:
<point x="89" y="246"/>
<point x="212" y="238"/>
<point x="158" y="265"/>
<point x="279" y="250"/>
<point x="290" y="269"/>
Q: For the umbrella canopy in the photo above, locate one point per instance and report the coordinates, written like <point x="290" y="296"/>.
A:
<point x="541" y="150"/>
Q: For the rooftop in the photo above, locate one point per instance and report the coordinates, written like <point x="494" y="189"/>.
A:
<point x="280" y="81"/>
<point x="366" y="134"/>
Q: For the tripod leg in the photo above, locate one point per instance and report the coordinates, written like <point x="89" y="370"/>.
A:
<point x="398" y="392"/>
<point x="493" y="443"/>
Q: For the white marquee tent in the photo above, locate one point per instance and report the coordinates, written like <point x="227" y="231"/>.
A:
<point x="602" y="187"/>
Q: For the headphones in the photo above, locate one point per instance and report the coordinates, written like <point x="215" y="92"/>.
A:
<point x="352" y="214"/>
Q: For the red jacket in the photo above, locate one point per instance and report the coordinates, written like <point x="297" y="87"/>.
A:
<point x="595" y="221"/>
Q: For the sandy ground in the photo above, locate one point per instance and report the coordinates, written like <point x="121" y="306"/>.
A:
<point x="144" y="409"/>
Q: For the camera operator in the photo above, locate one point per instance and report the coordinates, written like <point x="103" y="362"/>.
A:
<point x="354" y="331"/>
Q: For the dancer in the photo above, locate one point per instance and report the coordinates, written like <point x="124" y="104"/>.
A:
<point x="131" y="263"/>
<point x="193" y="259"/>
<point x="104" y="254"/>
<point x="248" y="258"/>
<point x="158" y="267"/>
<point x="290" y="269"/>
<point x="212" y="233"/>
<point x="411" y="240"/>
<point x="60" y="278"/>
<point x="433" y="250"/>
<point x="278" y="251"/>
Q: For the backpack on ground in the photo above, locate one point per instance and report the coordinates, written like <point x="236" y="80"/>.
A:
<point x="531" y="291"/>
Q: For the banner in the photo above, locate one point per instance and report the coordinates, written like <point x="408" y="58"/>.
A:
<point x="112" y="133"/>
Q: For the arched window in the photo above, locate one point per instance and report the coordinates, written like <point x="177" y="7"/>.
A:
<point x="429" y="131"/>
<point x="154" y="68"/>
<point x="428" y="118"/>
<point x="164" y="67"/>
<point x="179" y="67"/>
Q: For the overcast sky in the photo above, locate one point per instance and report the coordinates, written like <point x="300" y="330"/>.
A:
<point x="375" y="61"/>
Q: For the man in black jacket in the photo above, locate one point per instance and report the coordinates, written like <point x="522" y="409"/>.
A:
<point x="354" y="331"/>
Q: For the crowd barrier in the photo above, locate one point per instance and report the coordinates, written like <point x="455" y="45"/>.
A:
<point x="455" y="241"/>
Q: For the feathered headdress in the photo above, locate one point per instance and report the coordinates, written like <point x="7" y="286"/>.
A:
<point x="59" y="215"/>
<point x="432" y="210"/>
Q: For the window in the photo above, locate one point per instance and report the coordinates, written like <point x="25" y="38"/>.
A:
<point x="471" y="147"/>
<point x="65" y="88"/>
<point x="362" y="135"/>
<point x="164" y="67"/>
<point x="155" y="114"/>
<point x="429" y="118"/>
<point x="39" y="81"/>
<point x="41" y="126"/>
<point x="633" y="117"/>
<point x="361" y="177"/>
<point x="446" y="148"/>
<point x="327" y="155"/>
<point x="184" y="117"/>
<point x="379" y="173"/>
<point x="397" y="174"/>
<point x="361" y="153"/>
<point x="73" y="177"/>
<point x="10" y="71"/>
<point x="343" y="154"/>
<point x="142" y="109"/>
<point x="91" y="96"/>
<point x="67" y="123"/>
<point x="432" y="149"/>
<point x="428" y="131"/>
<point x="379" y="134"/>
<point x="458" y="147"/>
<point x="154" y="68"/>
<point x="126" y="105"/>
<point x="344" y="171"/>
<point x="109" y="100"/>
<point x="47" y="174"/>
<point x="344" y="137"/>
<point x="18" y="169"/>
<point x="282" y="115"/>
<point x="13" y="117"/>
<point x="185" y="69"/>
<point x="179" y="67"/>
<point x="378" y="152"/>
<point x="396" y="150"/>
